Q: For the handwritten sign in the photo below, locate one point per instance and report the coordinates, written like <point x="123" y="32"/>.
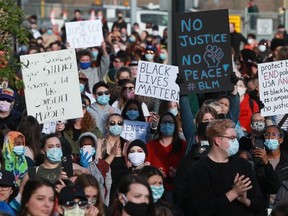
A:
<point x="84" y="33"/>
<point x="204" y="51"/>
<point x="273" y="87"/>
<point x="135" y="130"/>
<point x="157" y="80"/>
<point x="52" y="85"/>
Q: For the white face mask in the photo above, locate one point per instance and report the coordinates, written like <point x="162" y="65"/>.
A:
<point x="262" y="48"/>
<point x="250" y="40"/>
<point x="149" y="57"/>
<point x="136" y="158"/>
<point x="241" y="91"/>
<point x="77" y="211"/>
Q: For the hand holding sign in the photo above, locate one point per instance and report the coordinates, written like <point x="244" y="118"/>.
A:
<point x="213" y="56"/>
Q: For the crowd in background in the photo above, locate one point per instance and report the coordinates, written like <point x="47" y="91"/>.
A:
<point x="209" y="154"/>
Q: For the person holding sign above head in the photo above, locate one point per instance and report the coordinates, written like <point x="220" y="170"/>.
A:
<point x="100" y="110"/>
<point x="166" y="150"/>
<point x="95" y="74"/>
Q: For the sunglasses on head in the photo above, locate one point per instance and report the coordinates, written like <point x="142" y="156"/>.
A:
<point x="112" y="123"/>
<point x="102" y="93"/>
<point x="72" y="204"/>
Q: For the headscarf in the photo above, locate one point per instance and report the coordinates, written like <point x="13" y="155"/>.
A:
<point x="14" y="163"/>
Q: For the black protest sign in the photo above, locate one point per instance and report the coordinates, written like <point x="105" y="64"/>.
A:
<point x="204" y="51"/>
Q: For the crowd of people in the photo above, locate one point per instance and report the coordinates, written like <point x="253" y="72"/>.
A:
<point x="209" y="154"/>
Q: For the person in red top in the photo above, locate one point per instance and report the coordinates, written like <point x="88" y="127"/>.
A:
<point x="166" y="149"/>
<point x="248" y="106"/>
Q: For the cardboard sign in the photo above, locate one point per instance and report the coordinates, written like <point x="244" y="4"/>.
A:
<point x="135" y="130"/>
<point x="157" y="80"/>
<point x="273" y="88"/>
<point x="52" y="85"/>
<point x="204" y="51"/>
<point x="84" y="34"/>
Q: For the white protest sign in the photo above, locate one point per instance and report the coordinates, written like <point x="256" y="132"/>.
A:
<point x="273" y="88"/>
<point x="52" y="85"/>
<point x="157" y="80"/>
<point x="135" y="130"/>
<point x="84" y="33"/>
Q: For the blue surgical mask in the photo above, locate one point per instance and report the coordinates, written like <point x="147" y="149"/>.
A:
<point x="54" y="155"/>
<point x="103" y="99"/>
<point x="271" y="144"/>
<point x="149" y="57"/>
<point x="94" y="54"/>
<point x="157" y="192"/>
<point x="49" y="31"/>
<point x="233" y="147"/>
<point x="132" y="39"/>
<point x="115" y="130"/>
<point x="19" y="150"/>
<point x="84" y="65"/>
<point x="163" y="56"/>
<point x="167" y="129"/>
<point x="82" y="87"/>
<point x="132" y="114"/>
<point x="174" y="111"/>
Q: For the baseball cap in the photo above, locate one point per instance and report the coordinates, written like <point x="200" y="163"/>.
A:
<point x="68" y="193"/>
<point x="7" y="93"/>
<point x="7" y="178"/>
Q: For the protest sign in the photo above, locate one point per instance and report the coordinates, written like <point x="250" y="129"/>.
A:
<point x="52" y="85"/>
<point x="157" y="80"/>
<point x="204" y="51"/>
<point x="84" y="33"/>
<point x="273" y="88"/>
<point x="135" y="130"/>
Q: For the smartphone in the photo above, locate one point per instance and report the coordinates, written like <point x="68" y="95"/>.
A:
<point x="259" y="143"/>
<point x="88" y="148"/>
<point x="67" y="165"/>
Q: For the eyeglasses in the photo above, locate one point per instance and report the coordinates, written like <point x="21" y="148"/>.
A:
<point x="5" y="99"/>
<point x="112" y="123"/>
<point x="102" y="93"/>
<point x="72" y="204"/>
<point x="150" y="52"/>
<point x="128" y="88"/>
<point x="5" y="187"/>
<point x="274" y="134"/>
<point x="229" y="137"/>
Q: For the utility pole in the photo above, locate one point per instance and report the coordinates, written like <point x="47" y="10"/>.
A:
<point x="133" y="6"/>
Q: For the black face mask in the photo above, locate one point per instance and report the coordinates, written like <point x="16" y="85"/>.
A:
<point x="221" y="116"/>
<point x="136" y="209"/>
<point x="121" y="82"/>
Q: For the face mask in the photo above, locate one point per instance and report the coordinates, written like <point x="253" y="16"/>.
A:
<point x="94" y="54"/>
<point x="174" y="111"/>
<point x="221" y="116"/>
<point x="49" y="32"/>
<point x="271" y="144"/>
<point x="116" y="50"/>
<point x="154" y="33"/>
<point x="233" y="147"/>
<point x="19" y="150"/>
<point x="167" y="129"/>
<point x="157" y="192"/>
<point x="262" y="48"/>
<point x="77" y="211"/>
<point x="121" y="82"/>
<point x="163" y="56"/>
<point x="103" y="99"/>
<point x="132" y="114"/>
<point x="241" y="91"/>
<point x="136" y="158"/>
<point x="258" y="126"/>
<point x="5" y="106"/>
<point x="250" y="40"/>
<point x="115" y="130"/>
<point x="204" y="143"/>
<point x="54" y="155"/>
<point x="84" y="65"/>
<point x="92" y="152"/>
<point x="135" y="209"/>
<point x="149" y="57"/>
<point x="132" y="39"/>
<point x="129" y="94"/>
<point x="81" y="87"/>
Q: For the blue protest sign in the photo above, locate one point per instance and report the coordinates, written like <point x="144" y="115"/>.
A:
<point x="204" y="51"/>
